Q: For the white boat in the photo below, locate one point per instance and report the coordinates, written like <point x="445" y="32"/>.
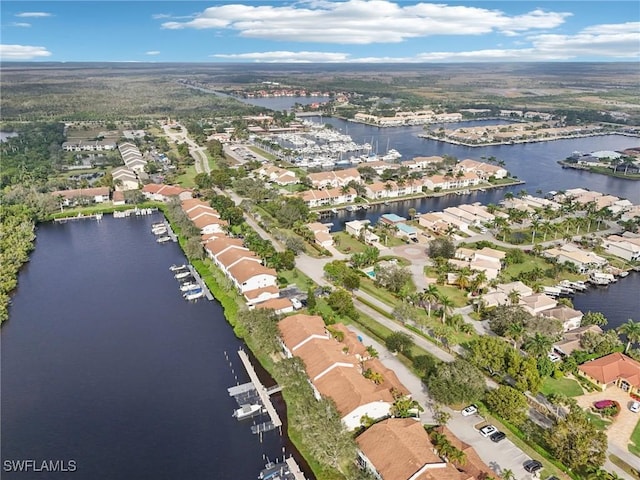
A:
<point x="166" y="238"/>
<point x="350" y="208"/>
<point x="623" y="274"/>
<point x="578" y="285"/>
<point x="159" y="224"/>
<point x="185" y="287"/>
<point x="194" y="295"/>
<point x="247" y="410"/>
<point x="599" y="278"/>
<point x="175" y="268"/>
<point x="551" y="291"/>
<point x="159" y="231"/>
<point x="334" y="211"/>
<point x="180" y="275"/>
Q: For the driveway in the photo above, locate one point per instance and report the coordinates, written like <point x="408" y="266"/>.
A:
<point x="619" y="432"/>
<point x="415" y="254"/>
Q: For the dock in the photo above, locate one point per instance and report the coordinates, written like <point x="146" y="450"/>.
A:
<point x="294" y="469"/>
<point x="263" y="393"/>
<point x="193" y="271"/>
<point x="80" y="216"/>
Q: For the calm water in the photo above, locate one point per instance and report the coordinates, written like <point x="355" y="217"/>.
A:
<point x="104" y="363"/>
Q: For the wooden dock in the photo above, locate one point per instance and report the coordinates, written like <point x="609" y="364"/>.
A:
<point x="262" y="391"/>
<point x="80" y="216"/>
<point x="295" y="469"/>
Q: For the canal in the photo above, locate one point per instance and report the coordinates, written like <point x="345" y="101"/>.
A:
<point x="105" y="364"/>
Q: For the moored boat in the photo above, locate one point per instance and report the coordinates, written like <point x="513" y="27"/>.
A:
<point x="180" y="275"/>
<point x="175" y="268"/>
<point x="194" y="294"/>
<point x="164" y="239"/>
<point x="185" y="287"/>
<point x="247" y="410"/>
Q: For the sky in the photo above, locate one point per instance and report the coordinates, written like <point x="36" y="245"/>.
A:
<point x="315" y="31"/>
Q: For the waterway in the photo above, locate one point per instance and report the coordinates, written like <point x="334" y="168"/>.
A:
<point x="105" y="364"/>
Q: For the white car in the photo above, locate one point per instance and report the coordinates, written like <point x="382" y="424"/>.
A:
<point x="470" y="410"/>
<point x="297" y="304"/>
<point x="635" y="407"/>
<point x="488" y="430"/>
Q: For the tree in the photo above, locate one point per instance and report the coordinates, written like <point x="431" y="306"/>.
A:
<point x="341" y="302"/>
<point x="456" y="382"/>
<point x="430" y="295"/>
<point x="399" y="342"/>
<point x="351" y="280"/>
<point x="538" y="345"/>
<point x="508" y="403"/>
<point x="504" y="315"/>
<point x="489" y="353"/>
<point x="425" y="364"/>
<point x="311" y="300"/>
<point x="576" y="442"/>
<point x="632" y="330"/>
<point x="594" y="318"/>
<point x="446" y="306"/>
<point x="405" y="312"/>
<point x="393" y="277"/>
<point x="405" y="407"/>
<point x="441" y="247"/>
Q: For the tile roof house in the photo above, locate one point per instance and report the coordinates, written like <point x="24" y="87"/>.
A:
<point x="279" y="305"/>
<point x="538" y="302"/>
<point x="335" y="367"/>
<point x="71" y="197"/>
<point x="474" y="464"/>
<point x="614" y="369"/>
<point x="253" y="297"/>
<point x="571" y="339"/>
<point x="335" y="179"/>
<point x="400" y="449"/>
<point x="329" y="196"/>
<point x="124" y="179"/>
<point x="164" y="193"/>
<point x="321" y="233"/>
<point x="569" y="317"/>
<point x="249" y="275"/>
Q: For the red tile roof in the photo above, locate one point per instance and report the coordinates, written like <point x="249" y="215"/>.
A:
<point x="613" y="367"/>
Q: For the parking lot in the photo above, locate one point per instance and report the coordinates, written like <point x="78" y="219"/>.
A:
<point x="504" y="455"/>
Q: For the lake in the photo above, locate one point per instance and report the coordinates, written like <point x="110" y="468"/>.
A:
<point x="104" y="363"/>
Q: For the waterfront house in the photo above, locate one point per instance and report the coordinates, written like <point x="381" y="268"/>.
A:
<point x="321" y="233"/>
<point x="117" y="198"/>
<point x="250" y="275"/>
<point x="381" y="166"/>
<point x="422" y="163"/>
<point x="584" y="260"/>
<point x="479" y="212"/>
<point x="279" y="305"/>
<point x="446" y="182"/>
<point x="216" y="245"/>
<point x="260" y="295"/>
<point x="406" y="231"/>
<point x="391" y="219"/>
<point x="164" y="193"/>
<point x="125" y="179"/>
<point x="82" y="195"/>
<point x="463" y="216"/>
<point x="615" y="369"/>
<point x="327" y="197"/>
<point x="391" y="189"/>
<point x="569" y="317"/>
<point x="336" y="366"/>
<point x="537" y="303"/>
<point x="517" y="286"/>
<point x="336" y="178"/>
<point x="483" y="170"/>
<point x="235" y="255"/>
<point x="627" y="247"/>
<point x="434" y="222"/>
<point x="209" y="222"/>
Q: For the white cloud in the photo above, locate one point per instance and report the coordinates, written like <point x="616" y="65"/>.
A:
<point x="22" y="52"/>
<point x="20" y="24"/>
<point x="33" y="14"/>
<point x="288" y="57"/>
<point x="364" y="21"/>
<point x="152" y="52"/>
<point x="160" y="16"/>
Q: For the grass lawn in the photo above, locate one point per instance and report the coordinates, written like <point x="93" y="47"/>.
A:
<point x="634" y="446"/>
<point x="598" y="421"/>
<point x="457" y="296"/>
<point x="300" y="279"/>
<point x="261" y="152"/>
<point x="186" y="179"/>
<point x="565" y="386"/>
<point x="345" y="243"/>
<point x="367" y="285"/>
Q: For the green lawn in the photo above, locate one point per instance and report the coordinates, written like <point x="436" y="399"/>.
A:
<point x="261" y="152"/>
<point x="186" y="179"/>
<point x="634" y="446"/>
<point x="598" y="421"/>
<point x="457" y="296"/>
<point x="300" y="279"/>
<point x="385" y="296"/>
<point x="565" y="386"/>
<point x="345" y="243"/>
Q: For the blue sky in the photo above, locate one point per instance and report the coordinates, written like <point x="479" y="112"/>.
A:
<point x="320" y="31"/>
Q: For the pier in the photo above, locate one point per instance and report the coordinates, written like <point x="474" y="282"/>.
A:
<point x="193" y="271"/>
<point x="263" y="393"/>
<point x="80" y="216"/>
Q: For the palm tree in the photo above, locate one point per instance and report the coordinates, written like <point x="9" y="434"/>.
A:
<point x="405" y="407"/>
<point x="535" y="224"/>
<point x="446" y="304"/>
<point x="508" y="474"/>
<point x="430" y="295"/>
<point x="463" y="279"/>
<point x="539" y="345"/>
<point x="547" y="227"/>
<point x="515" y="331"/>
<point x="514" y="297"/>
<point x="632" y="330"/>
<point x="457" y="457"/>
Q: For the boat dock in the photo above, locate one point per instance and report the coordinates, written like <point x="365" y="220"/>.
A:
<point x="294" y="469"/>
<point x="193" y="271"/>
<point x="262" y="392"/>
<point x="80" y="216"/>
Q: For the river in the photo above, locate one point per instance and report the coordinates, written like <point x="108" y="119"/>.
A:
<point x="105" y="364"/>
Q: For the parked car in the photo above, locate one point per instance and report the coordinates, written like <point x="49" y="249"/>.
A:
<point x="488" y="430"/>
<point x="532" y="466"/>
<point x="635" y="407"/>
<point x="601" y="404"/>
<point x="296" y="303"/>
<point x="498" y="436"/>
<point x="470" y="410"/>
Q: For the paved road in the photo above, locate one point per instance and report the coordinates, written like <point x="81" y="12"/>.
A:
<point x="197" y="152"/>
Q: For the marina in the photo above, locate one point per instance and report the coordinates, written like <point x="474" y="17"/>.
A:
<point x="191" y="284"/>
<point x="80" y="216"/>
